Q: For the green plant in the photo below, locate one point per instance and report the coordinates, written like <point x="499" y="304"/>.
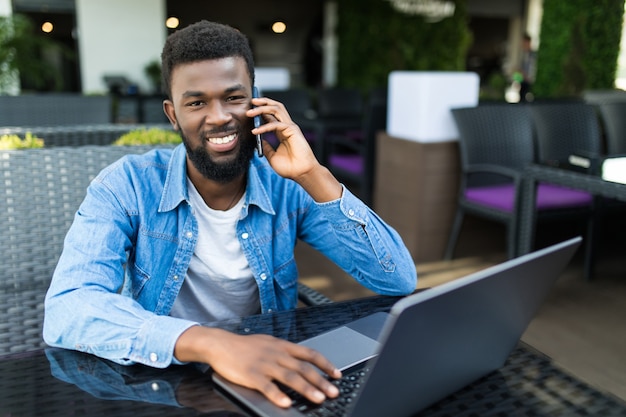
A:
<point x="21" y="47"/>
<point x="580" y="42"/>
<point x="374" y="40"/>
<point x="8" y="142"/>
<point x="153" y="136"/>
<point x="153" y="72"/>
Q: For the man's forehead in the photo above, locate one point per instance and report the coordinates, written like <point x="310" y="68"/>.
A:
<point x="222" y="73"/>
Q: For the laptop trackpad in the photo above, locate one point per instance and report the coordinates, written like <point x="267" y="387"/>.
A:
<point x="345" y="347"/>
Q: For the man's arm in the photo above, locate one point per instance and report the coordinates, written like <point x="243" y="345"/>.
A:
<point x="361" y="243"/>
<point x="294" y="158"/>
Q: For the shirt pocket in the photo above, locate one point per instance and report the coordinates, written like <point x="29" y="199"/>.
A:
<point x="138" y="278"/>
<point x="286" y="284"/>
<point x="153" y="257"/>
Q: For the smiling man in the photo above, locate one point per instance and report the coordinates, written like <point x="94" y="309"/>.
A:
<point x="171" y="239"/>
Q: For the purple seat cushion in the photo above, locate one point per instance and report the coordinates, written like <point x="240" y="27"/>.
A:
<point x="549" y="196"/>
<point x="350" y="162"/>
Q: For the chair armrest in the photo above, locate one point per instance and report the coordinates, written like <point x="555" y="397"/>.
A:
<point x="513" y="174"/>
<point x="310" y="297"/>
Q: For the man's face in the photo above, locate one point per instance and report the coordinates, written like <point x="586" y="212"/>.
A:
<point x="209" y="101"/>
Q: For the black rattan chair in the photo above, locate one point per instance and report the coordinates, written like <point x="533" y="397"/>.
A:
<point x="571" y="128"/>
<point x="614" y="122"/>
<point x="351" y="155"/>
<point x="565" y="128"/>
<point x="496" y="143"/>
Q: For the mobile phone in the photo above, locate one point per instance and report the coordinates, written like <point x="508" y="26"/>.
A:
<point x="257" y="123"/>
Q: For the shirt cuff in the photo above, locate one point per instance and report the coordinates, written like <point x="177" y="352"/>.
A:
<point x="346" y="207"/>
<point x="156" y="341"/>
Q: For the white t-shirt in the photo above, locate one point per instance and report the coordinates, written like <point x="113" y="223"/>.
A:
<point x="219" y="284"/>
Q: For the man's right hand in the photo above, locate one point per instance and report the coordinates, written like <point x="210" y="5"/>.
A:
<point x="258" y="361"/>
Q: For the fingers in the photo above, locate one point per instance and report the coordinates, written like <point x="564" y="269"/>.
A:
<point x="263" y="362"/>
<point x="271" y="110"/>
<point x="297" y="370"/>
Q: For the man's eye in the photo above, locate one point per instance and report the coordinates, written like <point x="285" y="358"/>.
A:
<point x="195" y="103"/>
<point x="236" y="98"/>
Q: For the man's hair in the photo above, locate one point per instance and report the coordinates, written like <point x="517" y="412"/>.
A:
<point x="202" y="41"/>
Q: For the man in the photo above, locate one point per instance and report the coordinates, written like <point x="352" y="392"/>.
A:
<point x="174" y="238"/>
<point x="528" y="69"/>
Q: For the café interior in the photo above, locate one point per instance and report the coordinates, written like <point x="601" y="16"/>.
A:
<point x="468" y="182"/>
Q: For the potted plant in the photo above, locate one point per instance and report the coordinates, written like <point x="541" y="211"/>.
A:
<point x="10" y="142"/>
<point x="153" y="72"/>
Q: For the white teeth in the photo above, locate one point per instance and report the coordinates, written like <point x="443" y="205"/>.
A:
<point x="225" y="139"/>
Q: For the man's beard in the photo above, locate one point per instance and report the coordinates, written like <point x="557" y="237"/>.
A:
<point x="221" y="172"/>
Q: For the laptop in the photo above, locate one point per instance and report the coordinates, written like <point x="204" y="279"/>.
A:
<point x="434" y="342"/>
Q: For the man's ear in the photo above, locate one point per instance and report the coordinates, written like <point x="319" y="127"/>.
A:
<point x="168" y="108"/>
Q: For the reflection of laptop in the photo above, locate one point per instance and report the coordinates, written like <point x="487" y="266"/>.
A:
<point x="435" y="342"/>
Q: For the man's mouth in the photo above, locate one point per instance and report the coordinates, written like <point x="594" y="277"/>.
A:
<point x="223" y="140"/>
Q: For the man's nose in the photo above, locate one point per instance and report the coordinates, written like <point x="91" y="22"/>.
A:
<point x="217" y="114"/>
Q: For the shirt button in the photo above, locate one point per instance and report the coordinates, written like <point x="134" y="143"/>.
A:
<point x="175" y="277"/>
<point x="270" y="310"/>
<point x="351" y="212"/>
<point x="189" y="235"/>
<point x="153" y="357"/>
<point x="155" y="386"/>
<point x="244" y="235"/>
<point x="263" y="276"/>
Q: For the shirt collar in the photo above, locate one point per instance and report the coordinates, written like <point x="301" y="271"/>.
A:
<point x="175" y="188"/>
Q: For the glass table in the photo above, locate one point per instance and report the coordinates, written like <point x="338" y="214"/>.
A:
<point x="54" y="382"/>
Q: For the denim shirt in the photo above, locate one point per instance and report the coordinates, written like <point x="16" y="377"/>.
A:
<point x="127" y="252"/>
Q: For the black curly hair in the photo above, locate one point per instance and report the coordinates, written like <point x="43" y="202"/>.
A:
<point x="201" y="41"/>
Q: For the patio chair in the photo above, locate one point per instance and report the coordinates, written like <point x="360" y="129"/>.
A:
<point x="571" y="128"/>
<point x="351" y="155"/>
<point x="613" y="115"/>
<point x="496" y="143"/>
<point x="564" y="129"/>
<point x="339" y="110"/>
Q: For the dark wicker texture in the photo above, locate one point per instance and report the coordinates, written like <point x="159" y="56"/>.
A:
<point x="344" y="144"/>
<point x="614" y="121"/>
<point x="566" y="128"/>
<point x="54" y="109"/>
<point x="41" y="190"/>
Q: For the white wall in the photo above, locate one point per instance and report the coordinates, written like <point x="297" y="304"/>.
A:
<point x="5" y="8"/>
<point x="118" y="37"/>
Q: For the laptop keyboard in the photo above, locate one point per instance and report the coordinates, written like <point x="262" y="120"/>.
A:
<point x="348" y="385"/>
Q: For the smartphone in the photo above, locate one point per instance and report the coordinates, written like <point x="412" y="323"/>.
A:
<point x="257" y="123"/>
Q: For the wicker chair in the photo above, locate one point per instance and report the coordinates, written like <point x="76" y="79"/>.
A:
<point x="565" y="128"/>
<point x="41" y="191"/>
<point x="351" y="155"/>
<point x="614" y="121"/>
<point x="496" y="143"/>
